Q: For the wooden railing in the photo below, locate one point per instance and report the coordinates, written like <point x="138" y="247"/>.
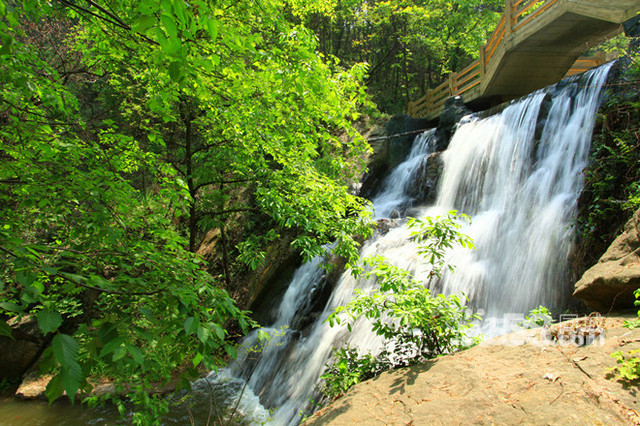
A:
<point x="517" y="14"/>
<point x="585" y="63"/>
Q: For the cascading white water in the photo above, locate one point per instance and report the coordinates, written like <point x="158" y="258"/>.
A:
<point x="520" y="187"/>
<point x="521" y="192"/>
<point x="393" y="194"/>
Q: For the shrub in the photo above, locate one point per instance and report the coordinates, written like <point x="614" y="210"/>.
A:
<point x="415" y="324"/>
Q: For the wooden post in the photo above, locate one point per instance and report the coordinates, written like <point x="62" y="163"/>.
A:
<point x="428" y="102"/>
<point x="452" y="82"/>
<point x="508" y="17"/>
<point x="483" y="56"/>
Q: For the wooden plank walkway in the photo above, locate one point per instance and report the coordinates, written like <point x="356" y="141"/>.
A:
<point x="536" y="43"/>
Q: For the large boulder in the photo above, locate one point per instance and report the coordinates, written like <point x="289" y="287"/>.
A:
<point x="610" y="283"/>
<point x="21" y="350"/>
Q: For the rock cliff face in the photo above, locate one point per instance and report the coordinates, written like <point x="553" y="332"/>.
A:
<point x="610" y="283"/>
<point x="390" y="145"/>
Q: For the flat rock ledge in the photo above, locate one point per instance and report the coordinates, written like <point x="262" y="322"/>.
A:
<point x="520" y="378"/>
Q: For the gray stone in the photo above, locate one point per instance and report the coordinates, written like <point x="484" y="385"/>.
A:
<point x="19" y="353"/>
<point x="610" y="283"/>
<point x="454" y="110"/>
<point x="632" y="30"/>
<point x="390" y="151"/>
<point x="425" y="186"/>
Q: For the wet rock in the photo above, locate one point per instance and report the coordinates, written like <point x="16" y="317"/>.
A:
<point x="21" y="352"/>
<point x="610" y="283"/>
<point x="622" y="83"/>
<point x="385" y="225"/>
<point x="390" y="151"/>
<point x="270" y="279"/>
<point x="34" y="386"/>
<point x="632" y="30"/>
<point x="425" y="187"/>
<point x="454" y="110"/>
<point x="378" y="161"/>
<point x="307" y="314"/>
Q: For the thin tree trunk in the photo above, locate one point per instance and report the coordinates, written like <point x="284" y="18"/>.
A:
<point x="223" y="245"/>
<point x="193" y="217"/>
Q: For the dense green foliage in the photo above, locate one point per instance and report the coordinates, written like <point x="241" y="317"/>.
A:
<point x="415" y="325"/>
<point x="612" y="180"/>
<point x="410" y="45"/>
<point x="127" y="129"/>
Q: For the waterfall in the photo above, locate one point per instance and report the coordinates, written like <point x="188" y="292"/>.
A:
<point x="394" y="197"/>
<point x="519" y="180"/>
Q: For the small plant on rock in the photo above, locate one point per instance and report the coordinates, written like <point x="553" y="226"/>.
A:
<point x="538" y="317"/>
<point x="628" y="368"/>
<point x="347" y="369"/>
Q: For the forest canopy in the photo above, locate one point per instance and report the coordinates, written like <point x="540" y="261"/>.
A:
<point x="410" y="45"/>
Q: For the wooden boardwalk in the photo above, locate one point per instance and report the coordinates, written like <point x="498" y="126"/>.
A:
<point x="536" y="43"/>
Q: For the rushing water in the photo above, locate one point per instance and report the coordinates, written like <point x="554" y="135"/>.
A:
<point x="517" y="179"/>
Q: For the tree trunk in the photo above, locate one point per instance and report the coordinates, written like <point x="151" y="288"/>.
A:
<point x="223" y="246"/>
<point x="193" y="215"/>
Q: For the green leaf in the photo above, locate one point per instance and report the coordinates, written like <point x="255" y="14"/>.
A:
<point x="10" y="306"/>
<point x="79" y="279"/>
<point x="219" y="331"/>
<point x="231" y="351"/>
<point x="197" y="359"/>
<point x="48" y="321"/>
<point x="5" y="329"/>
<point x="65" y="349"/>
<point x="175" y="71"/>
<point x="143" y="23"/>
<point x="54" y="388"/>
<point x="136" y="353"/>
<point x="49" y="270"/>
<point x="119" y="353"/>
<point x="169" y="25"/>
<point x="26" y="278"/>
<point x="7" y="42"/>
<point x="191" y="325"/>
<point x="111" y="346"/>
<point x="203" y="334"/>
<point x="212" y="26"/>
